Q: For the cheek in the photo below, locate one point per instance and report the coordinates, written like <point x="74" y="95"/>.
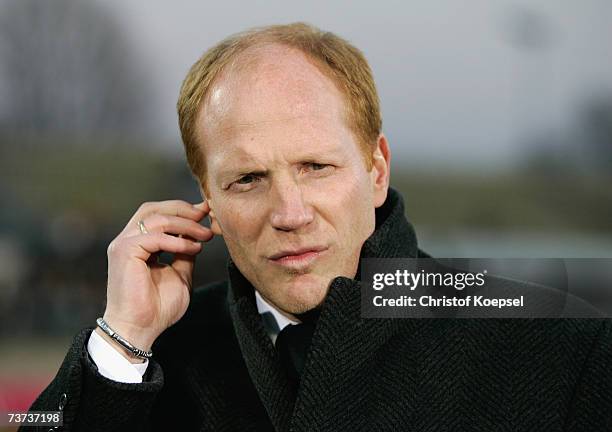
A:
<point x="348" y="204"/>
<point x="240" y="221"/>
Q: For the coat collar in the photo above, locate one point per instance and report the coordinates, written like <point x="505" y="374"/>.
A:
<point x="340" y="332"/>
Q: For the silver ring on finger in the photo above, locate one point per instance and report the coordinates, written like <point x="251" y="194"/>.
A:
<point x="142" y="227"/>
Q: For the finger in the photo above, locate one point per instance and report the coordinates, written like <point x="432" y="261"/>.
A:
<point x="203" y="206"/>
<point x="184" y="264"/>
<point x="145" y="245"/>
<point x="176" y="208"/>
<point x="157" y="223"/>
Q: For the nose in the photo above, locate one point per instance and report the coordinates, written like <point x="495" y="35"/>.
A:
<point x="290" y="212"/>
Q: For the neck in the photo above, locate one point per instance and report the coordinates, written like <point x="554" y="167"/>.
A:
<point x="282" y="318"/>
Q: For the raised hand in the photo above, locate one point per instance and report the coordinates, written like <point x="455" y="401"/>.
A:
<point x="145" y="297"/>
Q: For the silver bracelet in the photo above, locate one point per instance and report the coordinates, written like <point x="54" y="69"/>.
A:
<point x="124" y="343"/>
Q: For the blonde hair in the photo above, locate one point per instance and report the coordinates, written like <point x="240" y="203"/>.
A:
<point x="344" y="64"/>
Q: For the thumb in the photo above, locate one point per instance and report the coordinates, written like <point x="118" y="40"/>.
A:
<point x="183" y="264"/>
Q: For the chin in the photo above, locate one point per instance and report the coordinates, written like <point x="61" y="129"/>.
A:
<point x="302" y="294"/>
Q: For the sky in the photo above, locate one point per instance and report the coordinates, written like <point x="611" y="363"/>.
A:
<point x="459" y="81"/>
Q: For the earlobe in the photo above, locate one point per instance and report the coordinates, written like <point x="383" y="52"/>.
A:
<point x="381" y="170"/>
<point x="214" y="224"/>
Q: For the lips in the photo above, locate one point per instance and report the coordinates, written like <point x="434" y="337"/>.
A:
<point x="297" y="256"/>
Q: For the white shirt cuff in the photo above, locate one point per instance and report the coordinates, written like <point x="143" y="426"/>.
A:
<point x="111" y="363"/>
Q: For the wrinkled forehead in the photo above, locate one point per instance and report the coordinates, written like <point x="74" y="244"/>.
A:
<point x="268" y="84"/>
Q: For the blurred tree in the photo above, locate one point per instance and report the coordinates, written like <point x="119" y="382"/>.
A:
<point x="66" y="70"/>
<point x="528" y="29"/>
<point x="596" y="125"/>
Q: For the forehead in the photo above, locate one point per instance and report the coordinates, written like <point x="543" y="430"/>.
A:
<point x="271" y="88"/>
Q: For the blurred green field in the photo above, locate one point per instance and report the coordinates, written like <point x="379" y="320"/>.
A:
<point x="109" y="183"/>
<point x="551" y="203"/>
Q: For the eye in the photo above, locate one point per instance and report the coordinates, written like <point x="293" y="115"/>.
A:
<point x="246" y="179"/>
<point x="317" y="166"/>
<point x="245" y="183"/>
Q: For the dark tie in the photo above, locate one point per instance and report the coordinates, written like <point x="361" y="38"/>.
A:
<point x="293" y="342"/>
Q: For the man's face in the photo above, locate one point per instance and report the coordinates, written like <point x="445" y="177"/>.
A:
<point x="287" y="182"/>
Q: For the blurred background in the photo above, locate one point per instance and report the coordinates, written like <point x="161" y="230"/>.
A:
<point x="499" y="115"/>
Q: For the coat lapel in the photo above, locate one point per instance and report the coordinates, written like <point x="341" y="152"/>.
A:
<point x="263" y="363"/>
<point x="342" y="347"/>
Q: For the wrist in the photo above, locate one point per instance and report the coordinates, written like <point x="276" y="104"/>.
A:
<point x="127" y="340"/>
<point x="117" y="347"/>
<point x="140" y="337"/>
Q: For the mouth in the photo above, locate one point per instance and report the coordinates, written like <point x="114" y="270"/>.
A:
<point x="297" y="258"/>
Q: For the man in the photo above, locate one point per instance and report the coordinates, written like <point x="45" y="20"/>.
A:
<point x="282" y="130"/>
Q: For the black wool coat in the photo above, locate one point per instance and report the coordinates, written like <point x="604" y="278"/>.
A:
<point x="217" y="370"/>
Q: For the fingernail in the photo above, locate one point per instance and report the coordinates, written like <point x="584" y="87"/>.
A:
<point x="199" y="206"/>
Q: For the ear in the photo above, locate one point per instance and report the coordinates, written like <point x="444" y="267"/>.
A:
<point x="381" y="170"/>
<point x="214" y="224"/>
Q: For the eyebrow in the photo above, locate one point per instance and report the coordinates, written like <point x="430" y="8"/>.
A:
<point x="242" y="169"/>
<point x="248" y="172"/>
<point x="248" y="166"/>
